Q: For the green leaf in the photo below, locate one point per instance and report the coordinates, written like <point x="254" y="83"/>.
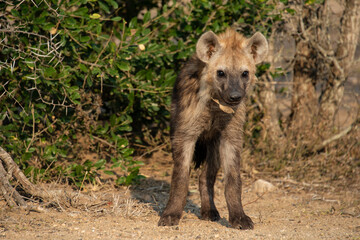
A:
<point x="85" y="39"/>
<point x="70" y="21"/>
<point x="122" y="143"/>
<point x="147" y="17"/>
<point x="123" y="66"/>
<point x="116" y="19"/>
<point x="133" y="23"/>
<point x="83" y="68"/>
<point x="99" y="164"/>
<point x="109" y="172"/>
<point x="95" y="16"/>
<point x="113" y="4"/>
<point x="15" y="13"/>
<point x="30" y="63"/>
<point x="81" y="12"/>
<point x="291" y="11"/>
<point x="144" y="40"/>
<point x="112" y="71"/>
<point x="50" y="72"/>
<point x="104" y="6"/>
<point x="103" y="129"/>
<point x="75" y="97"/>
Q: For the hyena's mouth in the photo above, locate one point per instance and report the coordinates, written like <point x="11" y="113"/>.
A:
<point x="226" y="106"/>
<point x="231" y="103"/>
<point x="222" y="107"/>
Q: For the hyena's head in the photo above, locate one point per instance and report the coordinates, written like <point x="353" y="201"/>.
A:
<point x="230" y="63"/>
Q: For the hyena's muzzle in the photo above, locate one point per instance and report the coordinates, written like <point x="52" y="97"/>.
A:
<point x="232" y="88"/>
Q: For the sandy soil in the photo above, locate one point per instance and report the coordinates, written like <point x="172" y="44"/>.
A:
<point x="293" y="211"/>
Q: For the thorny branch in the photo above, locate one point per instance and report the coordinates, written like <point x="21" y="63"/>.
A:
<point x="10" y="94"/>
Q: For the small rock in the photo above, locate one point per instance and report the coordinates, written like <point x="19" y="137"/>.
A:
<point x="262" y="186"/>
<point x="175" y="227"/>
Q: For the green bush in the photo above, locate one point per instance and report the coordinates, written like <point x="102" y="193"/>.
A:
<point x="80" y="84"/>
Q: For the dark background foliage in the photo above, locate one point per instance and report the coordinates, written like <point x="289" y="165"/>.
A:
<point x="84" y="82"/>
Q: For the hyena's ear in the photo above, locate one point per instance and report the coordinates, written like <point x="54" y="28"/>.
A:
<point x="258" y="46"/>
<point x="206" y="46"/>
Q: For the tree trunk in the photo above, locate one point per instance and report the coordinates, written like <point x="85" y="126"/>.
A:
<point x="326" y="44"/>
<point x="342" y="62"/>
<point x="303" y="102"/>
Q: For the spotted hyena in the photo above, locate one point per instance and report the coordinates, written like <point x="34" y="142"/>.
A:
<point x="207" y="116"/>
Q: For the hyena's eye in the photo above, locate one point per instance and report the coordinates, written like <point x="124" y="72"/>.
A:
<point x="220" y="73"/>
<point x="245" y="74"/>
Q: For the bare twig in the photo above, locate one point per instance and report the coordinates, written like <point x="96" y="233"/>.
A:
<point x="103" y="141"/>
<point x="165" y="14"/>
<point x="251" y="202"/>
<point x="97" y="59"/>
<point x="23" y="32"/>
<point x="33" y="130"/>
<point x="291" y="181"/>
<point x="89" y="63"/>
<point x="10" y="94"/>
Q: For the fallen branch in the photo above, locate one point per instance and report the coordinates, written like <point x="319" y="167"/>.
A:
<point x="304" y="184"/>
<point x="341" y="134"/>
<point x="9" y="169"/>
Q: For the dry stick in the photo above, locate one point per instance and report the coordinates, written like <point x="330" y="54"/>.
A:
<point x="104" y="141"/>
<point x="303" y="183"/>
<point x="255" y="199"/>
<point x="10" y="94"/>
<point x="33" y="130"/>
<point x="328" y="55"/>
<point x="89" y="63"/>
<point x="82" y="183"/>
<point x="150" y="151"/>
<point x="165" y="14"/>
<point x="97" y="59"/>
<point x="333" y="138"/>
<point x="23" y="32"/>
<point x="212" y="15"/>
<point x="35" y="135"/>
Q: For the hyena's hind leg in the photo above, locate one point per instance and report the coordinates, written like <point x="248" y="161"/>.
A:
<point x="206" y="185"/>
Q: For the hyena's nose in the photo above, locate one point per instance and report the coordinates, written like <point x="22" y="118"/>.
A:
<point x="235" y="96"/>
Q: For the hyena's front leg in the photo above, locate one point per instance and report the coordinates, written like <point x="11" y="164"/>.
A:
<point x="206" y="187"/>
<point x="182" y="155"/>
<point x="230" y="157"/>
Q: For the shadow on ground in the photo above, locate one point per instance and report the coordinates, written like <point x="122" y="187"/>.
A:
<point x="156" y="193"/>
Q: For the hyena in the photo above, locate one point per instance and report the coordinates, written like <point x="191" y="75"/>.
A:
<point x="207" y="116"/>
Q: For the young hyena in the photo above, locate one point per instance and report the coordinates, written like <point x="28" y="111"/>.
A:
<point x="207" y="116"/>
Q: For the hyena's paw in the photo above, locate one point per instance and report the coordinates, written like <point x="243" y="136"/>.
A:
<point x="243" y="223"/>
<point x="212" y="215"/>
<point x="169" y="220"/>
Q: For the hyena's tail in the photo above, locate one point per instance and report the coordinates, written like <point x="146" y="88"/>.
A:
<point x="199" y="154"/>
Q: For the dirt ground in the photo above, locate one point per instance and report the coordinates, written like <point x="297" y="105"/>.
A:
<point x="295" y="210"/>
